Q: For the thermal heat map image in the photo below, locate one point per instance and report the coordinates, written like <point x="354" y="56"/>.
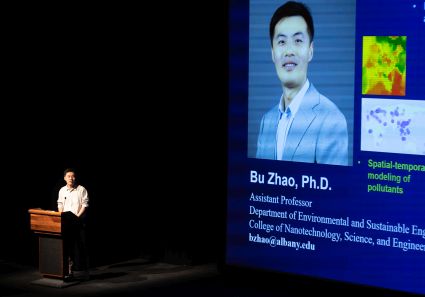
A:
<point x="384" y="65"/>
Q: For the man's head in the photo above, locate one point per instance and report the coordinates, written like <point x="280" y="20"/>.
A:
<point x="291" y="36"/>
<point x="70" y="177"/>
<point x="292" y="8"/>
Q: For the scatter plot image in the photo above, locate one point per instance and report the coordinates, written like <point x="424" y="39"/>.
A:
<point x="384" y="65"/>
<point x="393" y="126"/>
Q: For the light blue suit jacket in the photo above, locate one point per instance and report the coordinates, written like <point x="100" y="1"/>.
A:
<point x="318" y="133"/>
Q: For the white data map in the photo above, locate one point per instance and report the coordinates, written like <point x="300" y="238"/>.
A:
<point x="393" y="126"/>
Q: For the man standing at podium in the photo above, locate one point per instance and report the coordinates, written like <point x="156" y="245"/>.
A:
<point x="74" y="198"/>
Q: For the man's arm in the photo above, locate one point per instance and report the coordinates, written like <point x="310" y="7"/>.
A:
<point x="333" y="141"/>
<point x="60" y="202"/>
<point x="84" y="202"/>
<point x="266" y="142"/>
<point x="82" y="210"/>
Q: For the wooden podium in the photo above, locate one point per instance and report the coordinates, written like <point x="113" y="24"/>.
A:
<point x="52" y="228"/>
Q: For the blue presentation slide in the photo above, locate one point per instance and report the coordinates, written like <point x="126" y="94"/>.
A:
<point x="341" y="196"/>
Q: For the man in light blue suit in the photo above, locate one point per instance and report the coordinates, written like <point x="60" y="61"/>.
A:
<point x="304" y="126"/>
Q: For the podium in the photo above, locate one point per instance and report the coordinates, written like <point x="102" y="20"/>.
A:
<point x="52" y="229"/>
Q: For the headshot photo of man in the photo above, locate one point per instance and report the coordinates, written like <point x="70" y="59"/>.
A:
<point x="302" y="124"/>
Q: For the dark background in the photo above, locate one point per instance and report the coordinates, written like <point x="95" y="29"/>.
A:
<point x="135" y="98"/>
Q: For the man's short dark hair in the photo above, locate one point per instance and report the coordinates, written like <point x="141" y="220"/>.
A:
<point x="69" y="170"/>
<point x="292" y="8"/>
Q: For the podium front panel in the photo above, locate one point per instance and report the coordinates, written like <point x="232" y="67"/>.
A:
<point x="51" y="256"/>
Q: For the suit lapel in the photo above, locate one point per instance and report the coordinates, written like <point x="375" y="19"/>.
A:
<point x="303" y="119"/>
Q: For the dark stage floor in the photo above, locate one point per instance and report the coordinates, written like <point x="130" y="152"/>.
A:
<point x="137" y="277"/>
<point x="140" y="277"/>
